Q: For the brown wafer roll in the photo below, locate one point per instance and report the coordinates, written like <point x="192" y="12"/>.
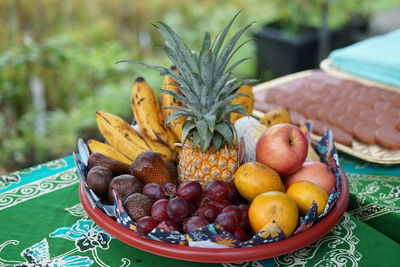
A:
<point x="385" y="120"/>
<point x="346" y="123"/>
<point x="395" y="100"/>
<point x="333" y="117"/>
<point x="381" y="105"/>
<point x="354" y="109"/>
<point x="319" y="127"/>
<point x="365" y="131"/>
<point x="311" y="111"/>
<point x="388" y="137"/>
<point x="341" y="106"/>
<point x="323" y="112"/>
<point x="341" y="136"/>
<point x="368" y="115"/>
<point x="274" y="95"/>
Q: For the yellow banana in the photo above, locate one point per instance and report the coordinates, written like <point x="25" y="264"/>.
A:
<point x="148" y="114"/>
<point x="107" y="150"/>
<point x="127" y="140"/>
<point x="247" y="102"/>
<point x="275" y="116"/>
<point x="168" y="100"/>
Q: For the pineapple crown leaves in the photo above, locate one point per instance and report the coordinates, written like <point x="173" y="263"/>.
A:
<point x="206" y="84"/>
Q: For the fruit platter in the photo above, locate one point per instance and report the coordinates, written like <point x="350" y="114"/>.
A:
<point x="197" y="178"/>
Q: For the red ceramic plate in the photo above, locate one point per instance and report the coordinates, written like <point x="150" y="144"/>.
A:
<point x="222" y="255"/>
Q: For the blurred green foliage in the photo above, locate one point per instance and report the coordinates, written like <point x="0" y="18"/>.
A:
<point x="71" y="47"/>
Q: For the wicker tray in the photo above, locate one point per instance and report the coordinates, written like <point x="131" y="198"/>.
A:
<point x="372" y="153"/>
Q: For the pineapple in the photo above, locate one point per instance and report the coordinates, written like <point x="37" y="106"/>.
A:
<point x="209" y="139"/>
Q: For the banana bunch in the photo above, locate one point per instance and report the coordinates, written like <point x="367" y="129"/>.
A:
<point x="147" y="113"/>
<point x="167" y="100"/>
<point x="247" y="102"/>
<point x="125" y="140"/>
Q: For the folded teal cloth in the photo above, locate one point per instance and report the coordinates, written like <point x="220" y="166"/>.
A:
<point x="377" y="58"/>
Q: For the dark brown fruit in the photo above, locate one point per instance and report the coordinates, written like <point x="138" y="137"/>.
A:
<point x="150" y="168"/>
<point x="125" y="185"/>
<point x="138" y="206"/>
<point x="173" y="171"/>
<point x="98" y="179"/>
<point x="116" y="167"/>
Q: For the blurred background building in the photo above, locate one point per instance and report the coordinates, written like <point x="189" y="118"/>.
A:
<point x="57" y="58"/>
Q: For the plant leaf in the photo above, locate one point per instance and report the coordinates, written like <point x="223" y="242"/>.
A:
<point x="187" y="127"/>
<point x="201" y="126"/>
<point x="217" y="141"/>
<point x="226" y="132"/>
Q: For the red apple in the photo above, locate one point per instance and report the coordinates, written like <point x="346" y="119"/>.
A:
<point x="283" y="147"/>
<point x="315" y="172"/>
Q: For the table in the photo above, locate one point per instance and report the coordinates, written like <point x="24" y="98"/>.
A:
<point x="43" y="222"/>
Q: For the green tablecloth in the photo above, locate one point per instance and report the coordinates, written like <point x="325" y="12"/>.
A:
<point x="43" y="222"/>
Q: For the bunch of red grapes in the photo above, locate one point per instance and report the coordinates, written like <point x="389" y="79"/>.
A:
<point x="188" y="207"/>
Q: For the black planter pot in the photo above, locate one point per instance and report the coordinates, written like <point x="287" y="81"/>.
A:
<point x="281" y="54"/>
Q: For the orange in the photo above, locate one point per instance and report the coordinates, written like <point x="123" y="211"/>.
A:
<point x="276" y="206"/>
<point x="304" y="192"/>
<point x="253" y="178"/>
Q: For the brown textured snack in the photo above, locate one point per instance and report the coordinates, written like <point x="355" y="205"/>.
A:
<point x="138" y="205"/>
<point x="346" y="123"/>
<point x="365" y="131"/>
<point x="341" y="136"/>
<point x="388" y="137"/>
<point x="125" y="185"/>
<point x="116" y="167"/>
<point x="385" y="121"/>
<point x="150" y="168"/>
<point x="98" y="179"/>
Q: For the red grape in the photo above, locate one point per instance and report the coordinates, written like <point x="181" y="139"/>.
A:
<point x="221" y="204"/>
<point x="154" y="191"/>
<point x="228" y="221"/>
<point x="241" y="234"/>
<point x="178" y="209"/>
<point x="234" y="209"/>
<point x="193" y="223"/>
<point x="244" y="222"/>
<point x="232" y="193"/>
<point x="170" y="190"/>
<point x="191" y="191"/>
<point x="208" y="211"/>
<point x="217" y="190"/>
<point x="159" y="210"/>
<point x="145" y="225"/>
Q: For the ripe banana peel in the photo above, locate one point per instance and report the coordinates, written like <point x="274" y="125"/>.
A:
<point x="127" y="140"/>
<point x="168" y="100"/>
<point x="247" y="102"/>
<point x="148" y="114"/>
<point x="108" y="150"/>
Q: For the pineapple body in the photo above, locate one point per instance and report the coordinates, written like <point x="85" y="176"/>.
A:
<point x="209" y="166"/>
